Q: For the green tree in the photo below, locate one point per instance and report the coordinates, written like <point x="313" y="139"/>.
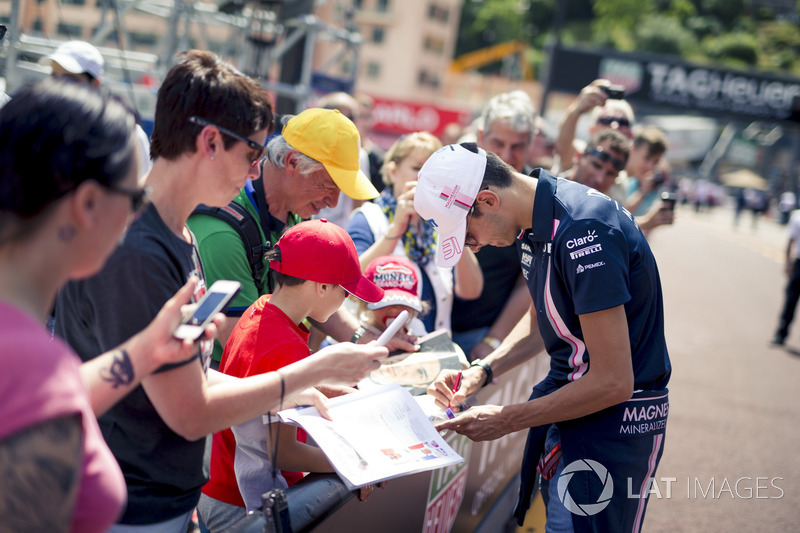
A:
<point x="726" y="11"/>
<point x="734" y="49"/>
<point x="738" y="33"/>
<point x="662" y="34"/>
<point x="780" y="42"/>
<point x="616" y="21"/>
<point x="682" y="10"/>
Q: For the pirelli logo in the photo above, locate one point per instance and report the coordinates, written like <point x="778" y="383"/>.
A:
<point x="583" y="252"/>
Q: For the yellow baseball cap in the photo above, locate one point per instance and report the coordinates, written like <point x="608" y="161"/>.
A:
<point x="331" y="138"/>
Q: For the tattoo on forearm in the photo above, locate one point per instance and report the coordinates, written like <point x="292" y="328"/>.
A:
<point x="121" y="371"/>
<point x="40" y="466"/>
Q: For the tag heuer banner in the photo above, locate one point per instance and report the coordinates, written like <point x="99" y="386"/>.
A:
<point x="663" y="81"/>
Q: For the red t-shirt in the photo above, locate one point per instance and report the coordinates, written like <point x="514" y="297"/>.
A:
<point x="264" y="340"/>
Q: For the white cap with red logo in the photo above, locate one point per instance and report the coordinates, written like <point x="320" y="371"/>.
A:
<point x="448" y="183"/>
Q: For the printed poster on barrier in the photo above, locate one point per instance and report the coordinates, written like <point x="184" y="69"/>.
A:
<point x="375" y="435"/>
<point x="415" y="371"/>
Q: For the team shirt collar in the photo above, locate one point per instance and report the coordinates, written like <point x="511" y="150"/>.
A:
<point x="543" y="202"/>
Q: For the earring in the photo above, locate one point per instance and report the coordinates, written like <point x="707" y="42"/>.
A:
<point x="66" y="233"/>
<point x="212" y="157"/>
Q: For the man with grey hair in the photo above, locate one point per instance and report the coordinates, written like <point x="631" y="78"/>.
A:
<point x="303" y="172"/>
<point x="607" y="109"/>
<point x="506" y="128"/>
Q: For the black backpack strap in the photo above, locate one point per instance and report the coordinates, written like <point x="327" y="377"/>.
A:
<point x="246" y="226"/>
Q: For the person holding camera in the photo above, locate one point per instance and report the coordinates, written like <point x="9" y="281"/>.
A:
<point x="647" y="179"/>
<point x="601" y="161"/>
<point x="608" y="110"/>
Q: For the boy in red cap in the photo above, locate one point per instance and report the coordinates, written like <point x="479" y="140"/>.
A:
<point x="315" y="266"/>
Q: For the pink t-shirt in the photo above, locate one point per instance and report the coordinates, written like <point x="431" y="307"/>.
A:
<point x="40" y="380"/>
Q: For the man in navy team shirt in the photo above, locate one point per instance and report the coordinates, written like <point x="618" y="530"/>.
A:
<point x="597" y="310"/>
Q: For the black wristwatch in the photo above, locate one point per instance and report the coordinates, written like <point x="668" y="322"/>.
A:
<point x="486" y="368"/>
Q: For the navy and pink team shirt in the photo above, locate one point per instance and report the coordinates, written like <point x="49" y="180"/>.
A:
<point x="583" y="254"/>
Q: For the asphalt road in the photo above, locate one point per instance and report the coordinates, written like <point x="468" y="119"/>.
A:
<point x="733" y="437"/>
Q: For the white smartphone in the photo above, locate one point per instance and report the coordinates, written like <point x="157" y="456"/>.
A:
<point x="393" y="328"/>
<point x="213" y="301"/>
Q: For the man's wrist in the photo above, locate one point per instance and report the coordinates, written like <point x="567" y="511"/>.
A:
<point x="486" y="370"/>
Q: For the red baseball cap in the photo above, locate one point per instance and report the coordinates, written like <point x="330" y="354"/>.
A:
<point x="318" y="250"/>
<point x="399" y="279"/>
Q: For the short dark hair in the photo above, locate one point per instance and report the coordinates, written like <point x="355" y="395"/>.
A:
<point x="204" y="85"/>
<point x="616" y="141"/>
<point x="279" y="278"/>
<point x="653" y="137"/>
<point x="497" y="173"/>
<point x="55" y="135"/>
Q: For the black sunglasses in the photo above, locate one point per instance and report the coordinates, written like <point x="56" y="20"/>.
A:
<point x="259" y="150"/>
<point x="605" y="157"/>
<point x="138" y="197"/>
<point x="622" y="122"/>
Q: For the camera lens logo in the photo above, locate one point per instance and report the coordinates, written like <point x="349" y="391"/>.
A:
<point x="585" y="509"/>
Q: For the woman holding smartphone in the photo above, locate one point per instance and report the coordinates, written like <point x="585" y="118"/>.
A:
<point x="68" y="189"/>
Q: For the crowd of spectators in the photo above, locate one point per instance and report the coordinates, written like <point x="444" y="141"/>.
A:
<point x="123" y="230"/>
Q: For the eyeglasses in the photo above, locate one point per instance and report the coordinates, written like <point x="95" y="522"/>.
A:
<point x="622" y="122"/>
<point x="258" y="149"/>
<point x="139" y="197"/>
<point x="605" y="157"/>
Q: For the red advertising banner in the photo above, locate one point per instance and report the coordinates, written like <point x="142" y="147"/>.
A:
<point x="401" y="117"/>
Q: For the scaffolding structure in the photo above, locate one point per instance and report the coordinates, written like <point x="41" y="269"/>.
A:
<point x="274" y="41"/>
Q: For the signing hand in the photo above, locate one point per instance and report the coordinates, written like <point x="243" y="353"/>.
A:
<point x="442" y="387"/>
<point x="485" y="422"/>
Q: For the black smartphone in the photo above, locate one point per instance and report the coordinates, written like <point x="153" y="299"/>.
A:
<point x="668" y="200"/>
<point x="213" y="301"/>
<point x="615" y="92"/>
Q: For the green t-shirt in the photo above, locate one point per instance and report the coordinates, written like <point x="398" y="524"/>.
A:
<point x="224" y="257"/>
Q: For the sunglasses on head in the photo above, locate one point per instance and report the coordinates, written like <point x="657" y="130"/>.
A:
<point x="622" y="122"/>
<point x="258" y="149"/>
<point x="605" y="157"/>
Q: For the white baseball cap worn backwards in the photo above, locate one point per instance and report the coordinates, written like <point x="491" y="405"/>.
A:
<point x="448" y="183"/>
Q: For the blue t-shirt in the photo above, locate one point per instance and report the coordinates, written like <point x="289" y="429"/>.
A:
<point x="583" y="254"/>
